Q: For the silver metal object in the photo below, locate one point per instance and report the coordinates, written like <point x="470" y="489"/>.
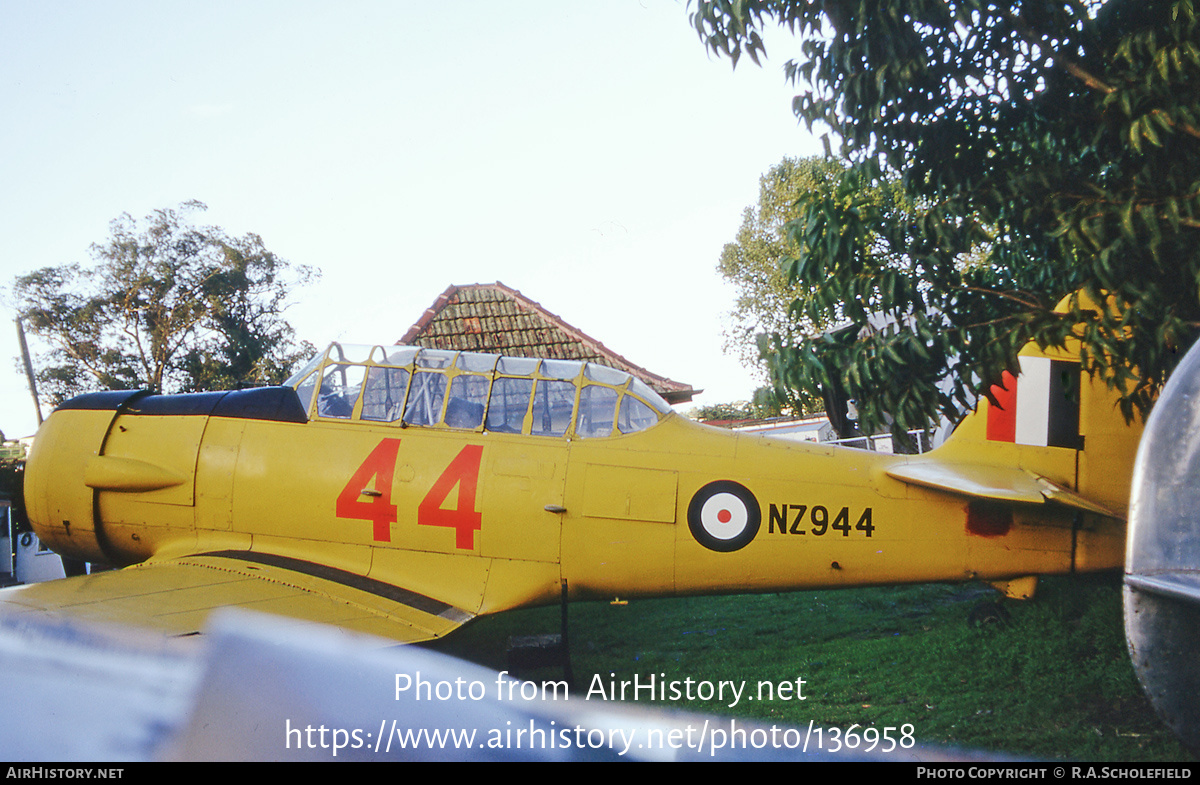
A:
<point x="1162" y="560"/>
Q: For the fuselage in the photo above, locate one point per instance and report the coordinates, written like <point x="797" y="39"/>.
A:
<point x="577" y="475"/>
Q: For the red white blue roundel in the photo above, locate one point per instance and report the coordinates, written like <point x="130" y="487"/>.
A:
<point x="724" y="516"/>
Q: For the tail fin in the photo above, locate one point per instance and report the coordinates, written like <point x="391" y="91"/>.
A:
<point x="1057" y="435"/>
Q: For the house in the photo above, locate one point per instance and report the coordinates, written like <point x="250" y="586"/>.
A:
<point x="491" y="317"/>
<point x="803" y="429"/>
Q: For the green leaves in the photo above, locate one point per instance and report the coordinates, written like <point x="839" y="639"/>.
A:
<point x="766" y="301"/>
<point x="1041" y="148"/>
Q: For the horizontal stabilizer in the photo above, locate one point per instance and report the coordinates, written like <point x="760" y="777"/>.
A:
<point x="999" y="483"/>
<point x="176" y="596"/>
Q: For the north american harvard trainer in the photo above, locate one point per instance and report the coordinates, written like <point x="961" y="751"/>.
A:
<point x="402" y="491"/>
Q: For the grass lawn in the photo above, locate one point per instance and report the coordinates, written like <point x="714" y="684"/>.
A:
<point x="1055" y="681"/>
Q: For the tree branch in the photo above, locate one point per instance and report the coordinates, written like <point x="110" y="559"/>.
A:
<point x="1032" y="37"/>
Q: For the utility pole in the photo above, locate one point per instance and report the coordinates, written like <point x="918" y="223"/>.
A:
<point x="37" y="407"/>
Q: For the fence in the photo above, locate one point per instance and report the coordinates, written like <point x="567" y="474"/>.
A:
<point x="882" y="442"/>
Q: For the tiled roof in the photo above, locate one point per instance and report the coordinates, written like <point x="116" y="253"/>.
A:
<point x="491" y="317"/>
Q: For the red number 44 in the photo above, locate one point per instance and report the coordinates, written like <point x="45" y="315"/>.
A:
<point x="377" y="507"/>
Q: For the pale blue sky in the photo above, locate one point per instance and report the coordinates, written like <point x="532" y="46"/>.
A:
<point x="591" y="155"/>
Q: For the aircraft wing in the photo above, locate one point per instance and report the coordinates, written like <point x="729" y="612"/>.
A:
<point x="175" y="596"/>
<point x="998" y="483"/>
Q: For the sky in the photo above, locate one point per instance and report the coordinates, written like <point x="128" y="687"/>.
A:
<point x="592" y="155"/>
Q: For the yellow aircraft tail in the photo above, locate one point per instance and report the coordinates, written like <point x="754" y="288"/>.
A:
<point x="1054" y="436"/>
<point x="1075" y="450"/>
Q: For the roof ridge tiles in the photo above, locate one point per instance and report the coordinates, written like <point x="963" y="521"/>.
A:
<point x="529" y="327"/>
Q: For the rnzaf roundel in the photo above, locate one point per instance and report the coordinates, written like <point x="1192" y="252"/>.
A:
<point x="724" y="516"/>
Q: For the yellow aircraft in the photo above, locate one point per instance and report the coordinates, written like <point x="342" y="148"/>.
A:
<point x="403" y="491"/>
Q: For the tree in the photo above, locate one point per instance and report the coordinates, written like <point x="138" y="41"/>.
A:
<point x="771" y="306"/>
<point x="762" y="406"/>
<point x="753" y="262"/>
<point x="1055" y="141"/>
<point x="167" y="306"/>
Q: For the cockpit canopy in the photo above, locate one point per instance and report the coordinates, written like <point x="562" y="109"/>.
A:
<point x="434" y="388"/>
